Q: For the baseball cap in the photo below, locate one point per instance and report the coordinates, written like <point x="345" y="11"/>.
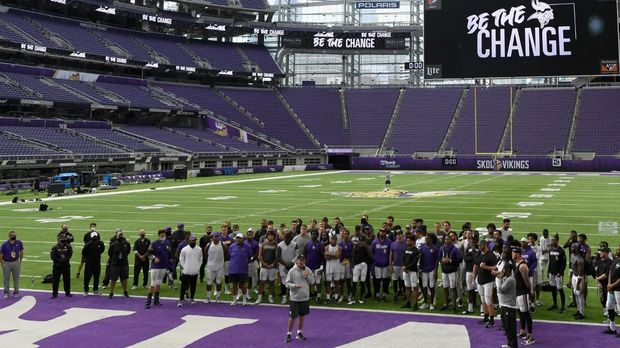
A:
<point x="399" y="232"/>
<point x="250" y="229"/>
<point x="516" y="249"/>
<point x="192" y="237"/>
<point x="216" y="234"/>
<point x="300" y="257"/>
<point x="180" y="225"/>
<point x="367" y="227"/>
<point x="524" y="240"/>
<point x="604" y="249"/>
<point x="118" y="231"/>
<point x="239" y="235"/>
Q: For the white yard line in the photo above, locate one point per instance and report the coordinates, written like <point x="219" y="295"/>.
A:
<point x="179" y="187"/>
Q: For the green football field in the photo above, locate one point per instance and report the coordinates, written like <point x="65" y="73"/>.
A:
<point x="588" y="203"/>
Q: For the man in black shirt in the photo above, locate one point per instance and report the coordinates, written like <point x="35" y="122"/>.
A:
<point x="411" y="257"/>
<point x="557" y="265"/>
<point x="91" y="256"/>
<point x="470" y="247"/>
<point x="64" y="232"/>
<point x="484" y="264"/>
<point x="524" y="289"/>
<point x="87" y="237"/>
<point x="613" y="293"/>
<point x="141" y="262"/>
<point x="119" y="263"/>
<point x="602" y="274"/>
<point x="61" y="256"/>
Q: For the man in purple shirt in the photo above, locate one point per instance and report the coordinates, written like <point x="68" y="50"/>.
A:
<point x="450" y="257"/>
<point x="428" y="266"/>
<point x="529" y="255"/>
<point x="314" y="253"/>
<point x="346" y="255"/>
<point x="253" y="264"/>
<point x="397" y="248"/>
<point x="159" y="253"/>
<point x="380" y="251"/>
<point x="11" y="255"/>
<point x="240" y="255"/>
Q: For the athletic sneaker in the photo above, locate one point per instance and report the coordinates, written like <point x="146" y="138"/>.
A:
<point x="283" y="300"/>
<point x="562" y="310"/>
<point x="432" y="308"/>
<point x="360" y="301"/>
<point x="227" y="292"/>
<point x="218" y="299"/>
<point x="467" y="311"/>
<point x="234" y="302"/>
<point x="245" y="301"/>
<point x="134" y="287"/>
<point x="490" y="324"/>
<point x="529" y="341"/>
<point x="610" y="332"/>
<point x="85" y="294"/>
<point x="522" y="335"/>
<point x="340" y="299"/>
<point x="351" y="302"/>
<point x="208" y="300"/>
<point x="579" y="316"/>
<point x="288" y="338"/>
<point x="270" y="299"/>
<point x="406" y="305"/>
<point x="506" y="346"/>
<point x="300" y="336"/>
<point x="180" y="304"/>
<point x="552" y="307"/>
<point x="192" y="302"/>
<point x="425" y="306"/>
<point x="258" y="301"/>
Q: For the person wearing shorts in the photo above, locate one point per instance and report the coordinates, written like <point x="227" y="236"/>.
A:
<point x="450" y="257"/>
<point x="380" y="252"/>
<point x="361" y="257"/>
<point x="240" y="254"/>
<point x="268" y="269"/>
<point x="524" y="288"/>
<point x="557" y="266"/>
<point x="298" y="281"/>
<point x="159" y="253"/>
<point x="613" y="293"/>
<point x="333" y="269"/>
<point x="484" y="264"/>
<point x="215" y="254"/>
<point x="411" y="257"/>
<point x="429" y="259"/>
<point x="397" y="248"/>
<point x="119" y="262"/>
<point x="470" y="247"/>
<point x="346" y="255"/>
<point x="285" y="254"/>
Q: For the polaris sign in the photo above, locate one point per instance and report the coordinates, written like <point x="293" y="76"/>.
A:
<point x="366" y="5"/>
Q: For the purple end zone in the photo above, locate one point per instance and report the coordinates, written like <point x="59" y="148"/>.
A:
<point x="324" y="327"/>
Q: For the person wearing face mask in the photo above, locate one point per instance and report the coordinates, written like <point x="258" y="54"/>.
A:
<point x="64" y="232"/>
<point x="159" y="253"/>
<point x="190" y="260"/>
<point x="141" y="262"/>
<point x="91" y="256"/>
<point x="119" y="262"/>
<point x="11" y="255"/>
<point x="61" y="254"/>
<point x="87" y="238"/>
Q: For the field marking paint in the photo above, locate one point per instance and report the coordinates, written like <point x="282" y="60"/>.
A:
<point x="562" y="181"/>
<point x="221" y="198"/>
<point x="156" y="206"/>
<point x="529" y="204"/>
<point x="272" y="191"/>
<point x="205" y="184"/>
<point x="309" y="186"/>
<point x="608" y="227"/>
<point x="613" y="183"/>
<point x="26" y="210"/>
<point x="365" y="179"/>
<point x="541" y="195"/>
<point x="550" y="189"/>
<point x="510" y="215"/>
<point x="558" y="185"/>
<point x="425" y="336"/>
<point x="63" y="219"/>
<point x="341" y="182"/>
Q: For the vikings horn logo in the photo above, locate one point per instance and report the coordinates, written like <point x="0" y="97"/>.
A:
<point x="544" y="13"/>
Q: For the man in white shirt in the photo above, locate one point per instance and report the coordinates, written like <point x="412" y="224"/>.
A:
<point x="190" y="260"/>
<point x="545" y="246"/>
<point x="214" y="253"/>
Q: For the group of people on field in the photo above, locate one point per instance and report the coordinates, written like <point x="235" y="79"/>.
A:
<point x="341" y="265"/>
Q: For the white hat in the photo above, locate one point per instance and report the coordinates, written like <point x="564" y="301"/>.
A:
<point x="239" y="235"/>
<point x="250" y="229"/>
<point x="524" y="240"/>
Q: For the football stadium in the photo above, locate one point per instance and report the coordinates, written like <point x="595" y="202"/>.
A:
<point x="319" y="173"/>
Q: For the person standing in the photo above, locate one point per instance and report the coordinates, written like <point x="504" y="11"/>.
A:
<point x="361" y="257"/>
<point x="314" y="255"/>
<point x="298" y="281"/>
<point x="613" y="294"/>
<point x="190" y="260"/>
<point x="484" y="264"/>
<point x="429" y="259"/>
<point x="61" y="254"/>
<point x="333" y="271"/>
<point x="450" y="257"/>
<point x="578" y="283"/>
<point x="64" y="232"/>
<point x="91" y="255"/>
<point x="380" y="252"/>
<point x="397" y="248"/>
<point x="507" y="295"/>
<point x="86" y="239"/>
<point x="557" y="265"/>
<point x="202" y="243"/>
<point x="285" y="255"/>
<point x="346" y="255"/>
<point x="545" y="245"/>
<point x="11" y="256"/>
<point x="141" y="263"/>
<point x="410" y="260"/>
<point x="240" y="254"/>
<point x="214" y="255"/>
<point x="524" y="289"/>
<point x="159" y="253"/>
<point x="268" y="266"/>
<point x="602" y="275"/>
<point x="119" y="262"/>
